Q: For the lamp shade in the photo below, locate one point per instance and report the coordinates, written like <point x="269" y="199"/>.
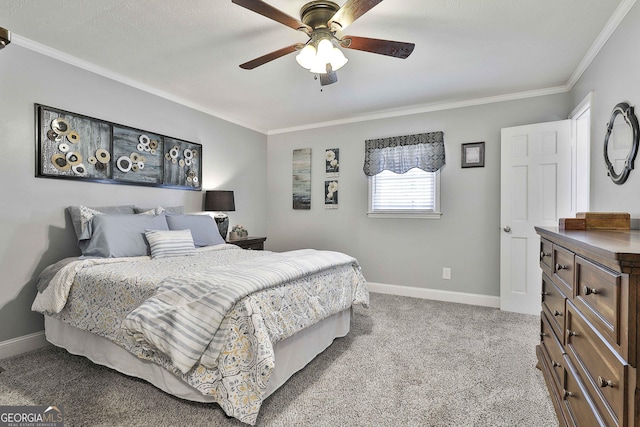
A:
<point x="219" y="200"/>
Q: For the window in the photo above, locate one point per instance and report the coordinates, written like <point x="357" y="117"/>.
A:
<point x="413" y="194"/>
<point x="404" y="175"/>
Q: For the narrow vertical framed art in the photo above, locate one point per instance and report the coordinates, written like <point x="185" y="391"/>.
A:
<point x="332" y="162"/>
<point x="302" y="178"/>
<point x="331" y="194"/>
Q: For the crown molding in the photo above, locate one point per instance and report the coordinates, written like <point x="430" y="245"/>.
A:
<point x="600" y="41"/>
<point x="101" y="71"/>
<point x="425" y="108"/>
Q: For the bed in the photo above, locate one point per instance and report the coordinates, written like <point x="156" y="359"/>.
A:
<point x="158" y="295"/>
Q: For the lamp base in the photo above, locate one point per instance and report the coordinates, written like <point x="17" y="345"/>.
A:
<point x="222" y="221"/>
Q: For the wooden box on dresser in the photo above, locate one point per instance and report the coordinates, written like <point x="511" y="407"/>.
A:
<point x="589" y="324"/>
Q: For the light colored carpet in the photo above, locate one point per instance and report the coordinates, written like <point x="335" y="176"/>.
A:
<point x="406" y="362"/>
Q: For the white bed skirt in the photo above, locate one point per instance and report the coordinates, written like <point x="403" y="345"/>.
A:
<point x="291" y="354"/>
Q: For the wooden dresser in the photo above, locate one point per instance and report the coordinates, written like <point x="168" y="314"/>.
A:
<point x="589" y="340"/>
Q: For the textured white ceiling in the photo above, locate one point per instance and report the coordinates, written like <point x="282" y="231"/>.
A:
<point x="191" y="49"/>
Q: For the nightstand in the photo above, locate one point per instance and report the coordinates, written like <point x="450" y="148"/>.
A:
<point x="255" y="243"/>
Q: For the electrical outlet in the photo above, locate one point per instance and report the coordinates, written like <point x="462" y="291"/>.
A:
<point x="446" y="273"/>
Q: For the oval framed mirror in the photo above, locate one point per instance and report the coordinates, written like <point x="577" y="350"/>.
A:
<point x="621" y="142"/>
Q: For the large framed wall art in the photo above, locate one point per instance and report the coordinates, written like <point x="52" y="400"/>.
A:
<point x="73" y="146"/>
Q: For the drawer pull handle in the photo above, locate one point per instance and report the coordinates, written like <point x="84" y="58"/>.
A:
<point x="567" y="393"/>
<point x="543" y="334"/>
<point x="561" y="267"/>
<point x="555" y="364"/>
<point x="544" y="254"/>
<point x="589" y="291"/>
<point x="544" y="294"/>
<point x="557" y="313"/>
<point x="572" y="333"/>
<point x="605" y="383"/>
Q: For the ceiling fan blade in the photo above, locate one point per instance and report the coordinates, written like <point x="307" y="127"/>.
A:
<point x="264" y="9"/>
<point x="350" y="11"/>
<point x="383" y="47"/>
<point x="271" y="56"/>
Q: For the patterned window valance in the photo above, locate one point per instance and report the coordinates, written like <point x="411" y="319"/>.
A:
<point x="401" y="153"/>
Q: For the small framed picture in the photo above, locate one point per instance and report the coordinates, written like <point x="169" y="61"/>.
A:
<point x="473" y="155"/>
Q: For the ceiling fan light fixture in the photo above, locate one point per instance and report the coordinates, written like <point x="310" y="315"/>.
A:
<point x="316" y="60"/>
<point x="338" y="60"/>
<point x="307" y="56"/>
<point x="325" y="48"/>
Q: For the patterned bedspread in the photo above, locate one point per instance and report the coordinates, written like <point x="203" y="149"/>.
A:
<point x="100" y="294"/>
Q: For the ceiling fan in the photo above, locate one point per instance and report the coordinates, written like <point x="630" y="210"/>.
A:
<point x="321" y="20"/>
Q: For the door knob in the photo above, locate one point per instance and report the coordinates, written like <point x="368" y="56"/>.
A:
<point x="507" y="229"/>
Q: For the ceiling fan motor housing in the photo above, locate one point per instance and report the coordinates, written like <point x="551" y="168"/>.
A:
<point x="317" y="14"/>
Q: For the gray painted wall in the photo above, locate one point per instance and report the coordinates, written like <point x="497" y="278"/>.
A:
<point x="409" y="252"/>
<point x="33" y="229"/>
<point x="613" y="77"/>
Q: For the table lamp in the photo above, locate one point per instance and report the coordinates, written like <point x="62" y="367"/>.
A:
<point x="220" y="201"/>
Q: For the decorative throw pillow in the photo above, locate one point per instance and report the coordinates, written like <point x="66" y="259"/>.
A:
<point x="170" y="243"/>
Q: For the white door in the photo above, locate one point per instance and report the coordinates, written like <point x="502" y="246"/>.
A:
<point x="535" y="190"/>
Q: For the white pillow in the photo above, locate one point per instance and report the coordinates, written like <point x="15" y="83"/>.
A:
<point x="170" y="243"/>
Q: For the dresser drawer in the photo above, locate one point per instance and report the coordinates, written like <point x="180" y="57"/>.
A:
<point x="563" y="269"/>
<point x="546" y="256"/>
<point x="554" y="350"/>
<point x="599" y="290"/>
<point x="604" y="372"/>
<point x="576" y="399"/>
<point x="553" y="304"/>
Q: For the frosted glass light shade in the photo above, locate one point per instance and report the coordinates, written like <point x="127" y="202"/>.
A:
<point x="319" y="67"/>
<point x="338" y="60"/>
<point x="306" y="57"/>
<point x="325" y="48"/>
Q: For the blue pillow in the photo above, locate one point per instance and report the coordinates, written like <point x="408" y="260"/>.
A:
<point x="81" y="217"/>
<point x="121" y="235"/>
<point x="203" y="228"/>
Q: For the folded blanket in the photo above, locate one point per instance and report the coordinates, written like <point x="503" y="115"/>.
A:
<point x="186" y="315"/>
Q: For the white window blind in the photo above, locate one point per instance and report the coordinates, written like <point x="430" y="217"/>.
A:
<point x="412" y="193"/>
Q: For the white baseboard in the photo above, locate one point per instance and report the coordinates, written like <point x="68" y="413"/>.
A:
<point x="22" y="344"/>
<point x="435" y="294"/>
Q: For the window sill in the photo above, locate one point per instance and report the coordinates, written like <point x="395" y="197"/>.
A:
<point x="405" y="215"/>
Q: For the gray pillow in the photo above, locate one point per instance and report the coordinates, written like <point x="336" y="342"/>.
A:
<point x="121" y="235"/>
<point x="83" y="228"/>
<point x="203" y="228"/>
